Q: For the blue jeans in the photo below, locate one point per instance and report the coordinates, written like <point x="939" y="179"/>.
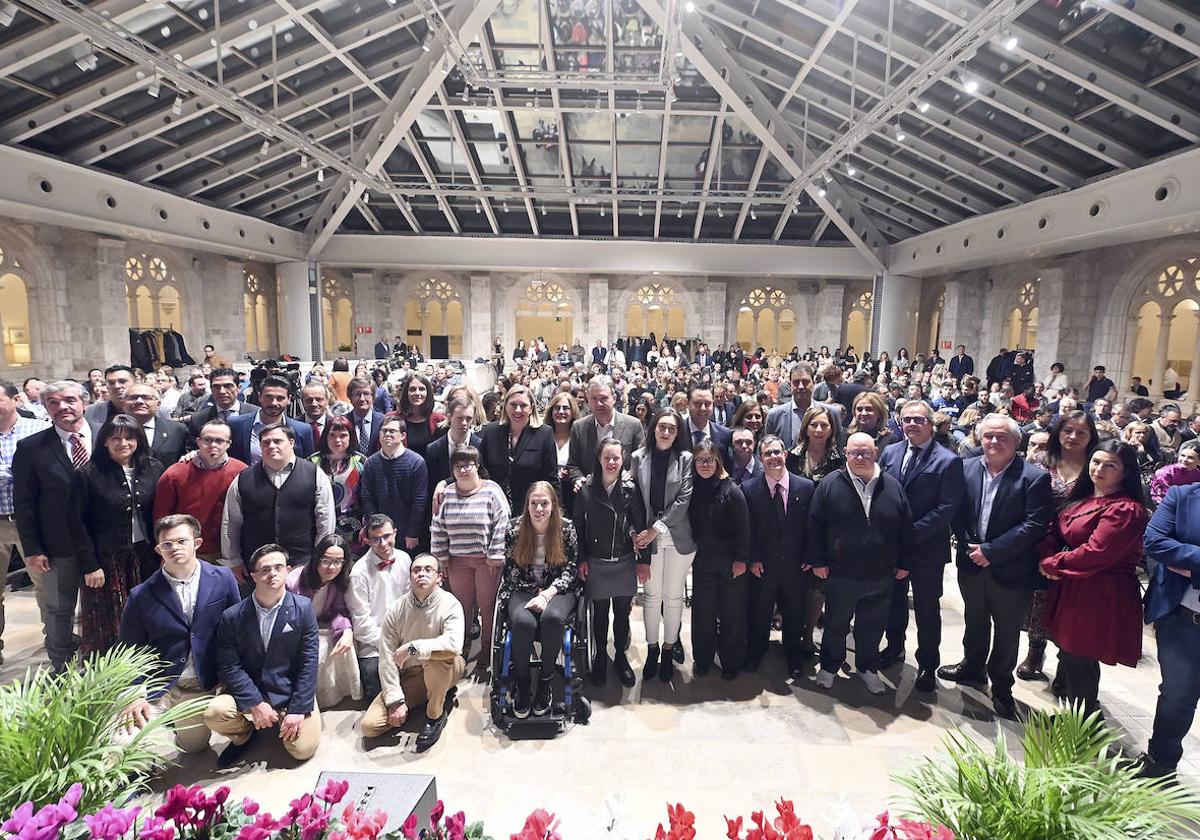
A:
<point x="1179" y="691"/>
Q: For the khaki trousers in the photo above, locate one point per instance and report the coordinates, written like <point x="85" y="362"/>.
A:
<point x="428" y="683"/>
<point x="191" y="733"/>
<point x="223" y="717"/>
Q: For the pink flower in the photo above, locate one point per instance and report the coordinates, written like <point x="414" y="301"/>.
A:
<point x="262" y="828"/>
<point x="16" y="822"/>
<point x="539" y="825"/>
<point x="456" y="826"/>
<point x="314" y="828"/>
<point x="109" y="823"/>
<point x="175" y="808"/>
<point x="733" y="828"/>
<point x="156" y="828"/>
<point x="72" y="797"/>
<point x="249" y="807"/>
<point x="409" y="829"/>
<point x="435" y="816"/>
<point x="298" y="805"/>
<point x="333" y="791"/>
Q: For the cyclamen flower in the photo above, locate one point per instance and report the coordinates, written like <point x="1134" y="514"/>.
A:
<point x="156" y="828"/>
<point x="110" y="823"/>
<point x="262" y="827"/>
<point x="409" y="828"/>
<point x="456" y="826"/>
<point x="333" y="791"/>
<point x="539" y="825"/>
<point x="25" y="824"/>
<point x="435" y="816"/>
<point x="314" y="828"/>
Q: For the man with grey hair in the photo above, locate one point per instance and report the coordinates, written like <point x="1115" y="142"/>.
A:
<point x="603" y="422"/>
<point x="48" y="493"/>
<point x="1005" y="511"/>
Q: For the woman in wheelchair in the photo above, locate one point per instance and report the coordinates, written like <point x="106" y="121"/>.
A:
<point x="608" y="514"/>
<point x="539" y="590"/>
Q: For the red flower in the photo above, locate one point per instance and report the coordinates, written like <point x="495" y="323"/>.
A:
<point x="539" y="825"/>
<point x="333" y="791"/>
<point x="249" y="807"/>
<point x="733" y="828"/>
<point x="435" y="816"/>
<point x="409" y="829"/>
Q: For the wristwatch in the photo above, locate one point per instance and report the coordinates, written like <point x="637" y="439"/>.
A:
<point x="412" y="650"/>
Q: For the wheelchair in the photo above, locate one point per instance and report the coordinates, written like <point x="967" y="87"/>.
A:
<point x="574" y="664"/>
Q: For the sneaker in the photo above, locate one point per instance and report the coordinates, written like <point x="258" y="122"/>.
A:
<point x="871" y="681"/>
<point x="824" y="679"/>
<point x="544" y="697"/>
<point x="521" y="697"/>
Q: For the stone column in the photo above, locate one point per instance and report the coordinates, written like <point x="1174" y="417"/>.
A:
<point x="597" y="307"/>
<point x="299" y="311"/>
<point x="1160" y="354"/>
<point x="108" y="312"/>
<point x="480" y="330"/>
<point x="367" y="312"/>
<point x="826" y="316"/>
<point x="895" y="307"/>
<point x="713" y="327"/>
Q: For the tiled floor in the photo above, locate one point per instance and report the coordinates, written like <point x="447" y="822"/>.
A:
<point x="720" y="748"/>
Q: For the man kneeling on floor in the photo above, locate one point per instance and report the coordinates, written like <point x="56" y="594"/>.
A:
<point x="267" y="651"/>
<point x="419" y="659"/>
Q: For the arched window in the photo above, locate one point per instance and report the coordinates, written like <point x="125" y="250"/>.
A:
<point x="258" y="337"/>
<point x="766" y="319"/>
<point x="858" y="322"/>
<point x="435" y="312"/>
<point x="1020" y="327"/>
<point x="337" y="313"/>
<point x="14" y="311"/>
<point x="152" y="293"/>
<point x="544" y="310"/>
<point x="1166" y="321"/>
<point x="654" y="309"/>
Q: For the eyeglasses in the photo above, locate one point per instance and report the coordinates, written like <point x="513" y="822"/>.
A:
<point x="168" y="545"/>
<point x="268" y="571"/>
<point x="213" y="441"/>
<point x="140" y="397"/>
<point x="859" y="453"/>
<point x="389" y="432"/>
<point x="773" y="453"/>
<point x="332" y="562"/>
<point x="381" y="538"/>
<point x="706" y="462"/>
<point x="914" y="421"/>
<point x="467" y="467"/>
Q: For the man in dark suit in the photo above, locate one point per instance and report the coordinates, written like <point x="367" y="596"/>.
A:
<point x="273" y="398"/>
<point x="599" y="353"/>
<point x="723" y="406"/>
<point x="175" y="613"/>
<point x="784" y="419"/>
<point x="117" y="378"/>
<point x="48" y="491"/>
<point x="168" y="439"/>
<point x="778" y="502"/>
<point x="314" y="398"/>
<point x="224" y="403"/>
<point x="267" y="649"/>
<point x="932" y="477"/>
<point x="460" y="413"/>
<point x="604" y="421"/>
<point x="381" y="349"/>
<point x="367" y="421"/>
<point x="997" y="368"/>
<point x="961" y="364"/>
<point x="1020" y="375"/>
<point x="1006" y="509"/>
<point x="746" y="465"/>
<point x="860" y="543"/>
<point x="699" y="424"/>
<point x="703" y="357"/>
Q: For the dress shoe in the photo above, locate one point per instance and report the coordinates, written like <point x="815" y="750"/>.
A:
<point x="1149" y="768"/>
<point x="925" y="681"/>
<point x="824" y="679"/>
<point x="650" y="669"/>
<point x="960" y="673"/>
<point x="1004" y="706"/>
<point x="543" y="699"/>
<point x="677" y="653"/>
<point x="624" y="671"/>
<point x="233" y="753"/>
<point x="871" y="681"/>
<point x="600" y="669"/>
<point x="728" y="674"/>
<point x="889" y="657"/>
<point x="701" y="669"/>
<point x="431" y="731"/>
<point x="666" y="664"/>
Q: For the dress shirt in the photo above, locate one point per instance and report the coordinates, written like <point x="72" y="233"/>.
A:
<point x="865" y="489"/>
<point x="912" y="454"/>
<point x="706" y="432"/>
<point x="23" y="428"/>
<point x="603" y="432"/>
<point x="372" y="590"/>
<point x="266" y="618"/>
<point x="782" y="484"/>
<point x="255" y="446"/>
<point x="187" y="591"/>
<point x="231" y="522"/>
<point x="85" y="435"/>
<point x="991" y="483"/>
<point x="148" y="430"/>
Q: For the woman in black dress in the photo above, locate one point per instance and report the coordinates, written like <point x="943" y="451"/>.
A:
<point x="514" y="453"/>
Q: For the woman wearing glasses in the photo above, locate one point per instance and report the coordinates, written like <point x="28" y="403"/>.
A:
<point x="467" y="538"/>
<point x="561" y="411"/>
<point x="324" y="581"/>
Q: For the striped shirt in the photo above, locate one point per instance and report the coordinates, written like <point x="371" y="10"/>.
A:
<point x="23" y="428"/>
<point x="470" y="526"/>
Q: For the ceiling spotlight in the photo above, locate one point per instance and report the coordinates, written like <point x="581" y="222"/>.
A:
<point x="689" y="7"/>
<point x="753" y="215"/>
<point x="828" y="178"/>
<point x="155" y="86"/>
<point x="366" y="197"/>
<point x="87" y="61"/>
<point x="543" y="209"/>
<point x="466" y="94"/>
<point x="177" y="106"/>
<point x="900" y="135"/>
<point x="820" y="192"/>
<point x="922" y="105"/>
<point x="8" y="13"/>
<point x="427" y="45"/>
<point x="478" y="208"/>
<point x="601" y="211"/>
<point x="266" y="147"/>
<point x="1010" y="43"/>
<point x="679" y="212"/>
<point x="320" y="176"/>
<point x="720" y="212"/>
<point x="970" y="85"/>
<point x="641" y="210"/>
<point x="304" y="161"/>
<point x="851" y="171"/>
<point x="505" y="206"/>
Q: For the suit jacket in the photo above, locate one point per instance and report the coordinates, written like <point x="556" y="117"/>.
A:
<point x="99" y="413"/>
<point x="171" y="440"/>
<point x="599" y="354"/>
<point x="437" y="462"/>
<point x="381" y="350"/>
<point x="783" y="422"/>
<point x="961" y="366"/>
<point x="284" y="673"/>
<point x="721" y="436"/>
<point x="677" y="494"/>
<point x="534" y="459"/>
<point x="372" y="445"/>
<point x="780" y="545"/>
<point x="1173" y="539"/>
<point x="934" y="487"/>
<point x="197" y="419"/>
<point x="154" y="618"/>
<point x="48" y="494"/>
<point x="723" y="412"/>
<point x="242" y="425"/>
<point x="1021" y="513"/>
<point x="581" y="455"/>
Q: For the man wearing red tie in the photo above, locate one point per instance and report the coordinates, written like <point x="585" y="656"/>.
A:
<point x="377" y="581"/>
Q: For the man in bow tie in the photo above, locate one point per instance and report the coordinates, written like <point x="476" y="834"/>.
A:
<point x="377" y="581"/>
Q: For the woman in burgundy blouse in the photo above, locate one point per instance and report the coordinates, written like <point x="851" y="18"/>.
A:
<point x="1091" y="555"/>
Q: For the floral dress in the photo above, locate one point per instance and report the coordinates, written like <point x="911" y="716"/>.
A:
<point x="344" y="479"/>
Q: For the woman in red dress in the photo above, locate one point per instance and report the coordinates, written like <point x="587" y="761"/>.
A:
<point x="1091" y="555"/>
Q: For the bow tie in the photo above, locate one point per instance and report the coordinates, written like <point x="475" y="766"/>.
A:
<point x="384" y="565"/>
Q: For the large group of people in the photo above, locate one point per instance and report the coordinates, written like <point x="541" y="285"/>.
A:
<point x="282" y="564"/>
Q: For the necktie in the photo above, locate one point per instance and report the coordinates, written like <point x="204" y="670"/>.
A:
<point x="910" y="458"/>
<point x="364" y="435"/>
<point x="777" y="498"/>
<point x="696" y="437"/>
<point x="79" y="454"/>
<point x="316" y="433"/>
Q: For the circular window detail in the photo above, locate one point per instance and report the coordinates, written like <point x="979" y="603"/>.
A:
<point x="1167" y="191"/>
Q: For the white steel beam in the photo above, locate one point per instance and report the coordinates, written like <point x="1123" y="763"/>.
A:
<point x="1173" y="24"/>
<point x="460" y="138"/>
<point x="510" y="131"/>
<point x="54" y="37"/>
<point x="564" y="149"/>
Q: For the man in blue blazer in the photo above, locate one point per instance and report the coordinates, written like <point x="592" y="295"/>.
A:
<point x="273" y="398"/>
<point x="267" y="650"/>
<point x="778" y="504"/>
<point x="961" y="364"/>
<point x="1005" y="513"/>
<point x="698" y="424"/>
<point x="175" y="613"/>
<point x="784" y="419"/>
<point x="932" y="477"/>
<point x="1173" y="606"/>
<point x="367" y="421"/>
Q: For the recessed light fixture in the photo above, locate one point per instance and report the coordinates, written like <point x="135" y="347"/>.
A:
<point x="922" y="105"/>
<point x="1010" y="43"/>
<point x="851" y="171"/>
<point x="970" y="85"/>
<point x="689" y="7"/>
<point x="320" y="176"/>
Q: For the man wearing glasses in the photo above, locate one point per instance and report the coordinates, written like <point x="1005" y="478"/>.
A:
<point x="378" y="580"/>
<point x="932" y="477"/>
<point x="395" y="482"/>
<point x="282" y="499"/>
<point x="197" y="487"/>
<point x="168" y="438"/>
<point x="175" y="613"/>
<point x="267" y="652"/>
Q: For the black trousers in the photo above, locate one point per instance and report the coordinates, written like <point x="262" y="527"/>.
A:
<point x="1080" y="679"/>
<point x="992" y="637"/>
<point x="926" y="584"/>
<point x="718" y="612"/>
<point x="864" y="601"/>
<point x="787" y="588"/>
<point x="548" y="627"/>
<point x="621" y="608"/>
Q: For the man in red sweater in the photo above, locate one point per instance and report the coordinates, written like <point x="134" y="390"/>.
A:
<point x="197" y="486"/>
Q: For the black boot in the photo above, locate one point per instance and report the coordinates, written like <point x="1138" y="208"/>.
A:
<point x="1031" y="667"/>
<point x="521" y="694"/>
<point x="651" y="666"/>
<point x="666" y="664"/>
<point x="600" y="668"/>
<point x="624" y="671"/>
<point x="544" y="697"/>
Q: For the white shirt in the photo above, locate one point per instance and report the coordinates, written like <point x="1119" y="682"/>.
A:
<point x="266" y="618"/>
<point x="865" y="489"/>
<point x="991" y="483"/>
<point x="372" y="590"/>
<point x="85" y="435"/>
<point x="187" y="591"/>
